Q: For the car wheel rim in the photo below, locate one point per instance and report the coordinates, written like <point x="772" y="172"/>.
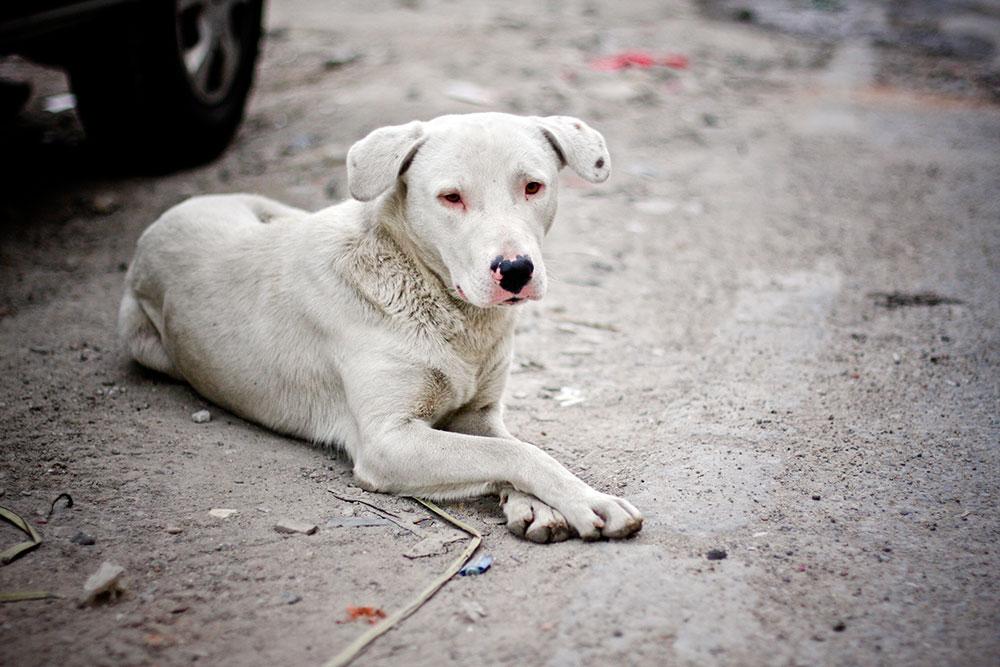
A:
<point x="209" y="37"/>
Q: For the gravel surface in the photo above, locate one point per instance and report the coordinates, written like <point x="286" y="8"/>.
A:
<point x="775" y="330"/>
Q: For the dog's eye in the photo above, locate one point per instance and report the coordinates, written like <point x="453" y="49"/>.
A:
<point x="533" y="188"/>
<point x="452" y="198"/>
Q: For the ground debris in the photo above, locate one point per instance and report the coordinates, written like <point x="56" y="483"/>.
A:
<point x="59" y="103"/>
<point x="22" y="596"/>
<point x="371" y="614"/>
<point x="433" y="545"/>
<point x="569" y="396"/>
<point x="358" y="522"/>
<point x="477" y="565"/>
<point x="104" y="203"/>
<point x="640" y="59"/>
<point x="472" y="610"/>
<point x="470" y="93"/>
<point x="292" y="526"/>
<point x="339" y="57"/>
<point x="894" y="300"/>
<point x="83" y="539"/>
<point x="402" y="522"/>
<point x="106" y="581"/>
<point x="201" y="417"/>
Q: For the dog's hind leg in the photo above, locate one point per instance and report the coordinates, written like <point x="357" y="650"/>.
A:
<point x="142" y="338"/>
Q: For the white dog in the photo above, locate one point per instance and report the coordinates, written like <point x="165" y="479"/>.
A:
<point x="384" y="324"/>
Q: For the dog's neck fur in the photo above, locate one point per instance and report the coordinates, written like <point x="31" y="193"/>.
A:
<point x="410" y="290"/>
<point x="390" y="219"/>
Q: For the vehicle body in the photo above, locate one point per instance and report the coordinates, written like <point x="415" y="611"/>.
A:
<point x="162" y="83"/>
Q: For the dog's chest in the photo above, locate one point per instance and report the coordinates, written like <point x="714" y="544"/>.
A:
<point x="452" y="385"/>
<point x="459" y="351"/>
<point x="466" y="368"/>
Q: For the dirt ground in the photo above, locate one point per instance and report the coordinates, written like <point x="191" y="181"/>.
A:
<point x="775" y="330"/>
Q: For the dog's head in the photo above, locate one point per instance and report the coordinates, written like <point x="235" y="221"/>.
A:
<point x="480" y="193"/>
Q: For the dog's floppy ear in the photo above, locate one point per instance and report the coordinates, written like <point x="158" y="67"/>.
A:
<point x="578" y="145"/>
<point x="375" y="162"/>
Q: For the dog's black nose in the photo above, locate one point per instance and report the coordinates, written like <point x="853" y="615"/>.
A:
<point x="514" y="273"/>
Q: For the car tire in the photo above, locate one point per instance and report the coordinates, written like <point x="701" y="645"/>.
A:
<point x="165" y="85"/>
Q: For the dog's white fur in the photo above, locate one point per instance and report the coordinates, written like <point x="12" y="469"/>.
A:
<point x="379" y="324"/>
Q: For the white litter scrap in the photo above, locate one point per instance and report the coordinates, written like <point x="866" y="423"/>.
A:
<point x="107" y="580"/>
<point x="59" y="103"/>
<point x="470" y="93"/>
<point x="568" y="396"/>
<point x="656" y="206"/>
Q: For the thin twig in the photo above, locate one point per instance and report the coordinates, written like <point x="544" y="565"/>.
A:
<point x="354" y="649"/>
<point x="385" y="514"/>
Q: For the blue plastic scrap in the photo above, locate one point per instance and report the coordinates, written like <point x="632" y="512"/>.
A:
<point x="477" y="565"/>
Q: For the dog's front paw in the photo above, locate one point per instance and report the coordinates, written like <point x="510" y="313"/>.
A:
<point x="529" y="517"/>
<point x="598" y="515"/>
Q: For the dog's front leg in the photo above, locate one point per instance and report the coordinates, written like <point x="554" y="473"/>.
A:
<point x="486" y="421"/>
<point x="415" y="459"/>
<point x="527" y="516"/>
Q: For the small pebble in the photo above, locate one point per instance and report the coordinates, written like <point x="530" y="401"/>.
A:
<point x="289" y="598"/>
<point x="339" y="57"/>
<point x="290" y="526"/>
<point x="201" y="417"/>
<point x="816" y="497"/>
<point x="173" y="529"/>
<point x="716" y="554"/>
<point x="105" y="203"/>
<point x="84" y="539"/>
